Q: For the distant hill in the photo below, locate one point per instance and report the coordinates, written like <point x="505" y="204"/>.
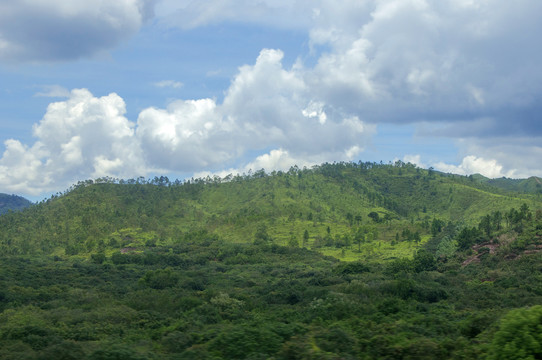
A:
<point x="12" y="202"/>
<point x="532" y="185"/>
<point x="327" y="201"/>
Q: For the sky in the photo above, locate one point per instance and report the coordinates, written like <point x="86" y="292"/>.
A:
<point x="185" y="88"/>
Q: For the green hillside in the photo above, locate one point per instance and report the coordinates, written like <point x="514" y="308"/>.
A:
<point x="532" y="185"/>
<point x="106" y="214"/>
<point x="342" y="261"/>
<point x="13" y="203"/>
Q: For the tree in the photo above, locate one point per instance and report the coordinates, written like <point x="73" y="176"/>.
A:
<point x="424" y="261"/>
<point x="293" y="241"/>
<point x="467" y="237"/>
<point x="497" y="220"/>
<point x="261" y="236"/>
<point x="160" y="279"/>
<point x="350" y="218"/>
<point x="519" y="335"/>
<point x="358" y="219"/>
<point x="436" y="227"/>
<point x="524" y="211"/>
<point x="305" y="238"/>
<point x="359" y="237"/>
<point x="485" y="225"/>
<point x="374" y="215"/>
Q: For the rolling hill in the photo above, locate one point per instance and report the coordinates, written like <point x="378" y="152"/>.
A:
<point x="331" y="200"/>
<point x="341" y="261"/>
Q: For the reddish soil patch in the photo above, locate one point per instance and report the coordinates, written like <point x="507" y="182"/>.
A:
<point x="476" y="257"/>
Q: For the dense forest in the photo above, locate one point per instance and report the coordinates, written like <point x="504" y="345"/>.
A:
<point x="340" y="261"/>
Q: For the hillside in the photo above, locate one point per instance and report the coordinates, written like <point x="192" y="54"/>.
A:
<point x="337" y="197"/>
<point x="532" y="185"/>
<point x="12" y="202"/>
<point x="423" y="265"/>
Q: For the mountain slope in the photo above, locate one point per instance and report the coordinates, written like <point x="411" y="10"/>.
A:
<point x="447" y="268"/>
<point x="532" y="185"/>
<point x="332" y="200"/>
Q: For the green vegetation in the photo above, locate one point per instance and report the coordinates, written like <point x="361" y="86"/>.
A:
<point x="531" y="185"/>
<point x="13" y="203"/>
<point x="343" y="261"/>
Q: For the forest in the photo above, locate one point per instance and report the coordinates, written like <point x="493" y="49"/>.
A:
<point x="339" y="261"/>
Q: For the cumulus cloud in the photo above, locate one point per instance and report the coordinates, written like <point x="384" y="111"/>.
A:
<point x="468" y="69"/>
<point x="37" y="30"/>
<point x="431" y="60"/>
<point x="182" y="136"/>
<point x="475" y="165"/>
<point x="519" y="156"/>
<point x="278" y="159"/>
<point x="265" y="107"/>
<point x="408" y="60"/>
<point x="82" y="137"/>
<point x="414" y="159"/>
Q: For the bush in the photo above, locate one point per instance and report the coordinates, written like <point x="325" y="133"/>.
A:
<point x="160" y="279"/>
<point x="519" y="335"/>
<point x="97" y="258"/>
<point x="355" y="267"/>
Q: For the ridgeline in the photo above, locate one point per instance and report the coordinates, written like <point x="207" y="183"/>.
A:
<point x="341" y="261"/>
<point x="12" y="203"/>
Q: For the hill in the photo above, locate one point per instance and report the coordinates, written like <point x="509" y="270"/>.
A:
<point x="330" y="202"/>
<point x="532" y="185"/>
<point x="12" y="202"/>
<point x="424" y="265"/>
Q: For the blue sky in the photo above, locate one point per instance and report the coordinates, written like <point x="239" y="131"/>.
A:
<point x="191" y="88"/>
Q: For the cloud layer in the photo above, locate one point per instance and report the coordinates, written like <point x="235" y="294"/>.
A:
<point x="470" y="69"/>
<point x="460" y="69"/>
<point x="266" y="109"/>
<point x="38" y="30"/>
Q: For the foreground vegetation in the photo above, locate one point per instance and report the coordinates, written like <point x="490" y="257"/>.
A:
<point x="345" y="261"/>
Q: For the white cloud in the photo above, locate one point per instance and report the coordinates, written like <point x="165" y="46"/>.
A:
<point x="80" y="138"/>
<point x="185" y="136"/>
<point x="475" y="165"/>
<point x="39" y="30"/>
<point x="404" y="60"/>
<point x="315" y="110"/>
<point x="168" y="83"/>
<point x="471" y="68"/>
<point x="265" y="107"/>
<point x="518" y="156"/>
<point x="414" y="159"/>
<point x="278" y="159"/>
